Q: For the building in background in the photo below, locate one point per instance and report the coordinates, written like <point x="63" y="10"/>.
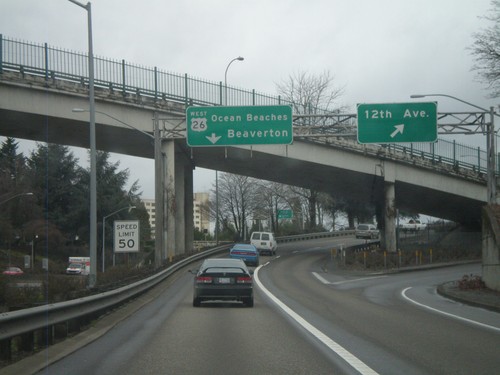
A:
<point x="201" y="215"/>
<point x="150" y="208"/>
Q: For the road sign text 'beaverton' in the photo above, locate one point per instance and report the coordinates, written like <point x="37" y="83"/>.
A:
<point x="246" y="125"/>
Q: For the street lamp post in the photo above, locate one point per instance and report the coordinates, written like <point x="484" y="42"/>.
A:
<point x="93" y="163"/>
<point x="239" y="58"/>
<point x="129" y="208"/>
<point x="158" y="179"/>
<point x="33" y="252"/>
<point x="490" y="145"/>
<point x="15" y="196"/>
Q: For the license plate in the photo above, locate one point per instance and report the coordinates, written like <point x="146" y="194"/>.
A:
<point x="224" y="280"/>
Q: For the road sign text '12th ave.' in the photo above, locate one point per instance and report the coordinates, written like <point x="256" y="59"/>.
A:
<point x="397" y="122"/>
<point x="245" y="125"/>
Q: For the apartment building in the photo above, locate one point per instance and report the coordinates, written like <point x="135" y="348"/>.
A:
<point x="201" y="218"/>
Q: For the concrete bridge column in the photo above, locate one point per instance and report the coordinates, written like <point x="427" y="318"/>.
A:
<point x="180" y="208"/>
<point x="189" y="210"/>
<point x="170" y="198"/>
<point x="178" y="192"/>
<point x="390" y="217"/>
<point x="389" y="212"/>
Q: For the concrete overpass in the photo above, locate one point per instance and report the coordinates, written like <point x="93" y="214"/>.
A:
<point x="33" y="108"/>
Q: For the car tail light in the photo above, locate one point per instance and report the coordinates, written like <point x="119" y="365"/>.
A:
<point x="204" y="280"/>
<point x="243" y="280"/>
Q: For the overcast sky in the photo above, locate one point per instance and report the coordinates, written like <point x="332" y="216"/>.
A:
<point x="379" y="50"/>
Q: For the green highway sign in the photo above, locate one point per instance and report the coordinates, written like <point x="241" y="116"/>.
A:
<point x="397" y="122"/>
<point x="285" y="214"/>
<point x="247" y="125"/>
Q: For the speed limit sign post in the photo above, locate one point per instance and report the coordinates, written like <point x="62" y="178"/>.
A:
<point x="126" y="236"/>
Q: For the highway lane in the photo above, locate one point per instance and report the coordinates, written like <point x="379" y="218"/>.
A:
<point x="366" y="314"/>
<point x="369" y="317"/>
<point x="169" y="336"/>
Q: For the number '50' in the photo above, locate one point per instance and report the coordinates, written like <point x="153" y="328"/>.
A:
<point x="126" y="243"/>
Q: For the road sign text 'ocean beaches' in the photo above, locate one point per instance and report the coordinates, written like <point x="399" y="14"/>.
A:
<point x="246" y="125"/>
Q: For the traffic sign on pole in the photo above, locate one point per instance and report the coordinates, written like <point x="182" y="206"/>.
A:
<point x="285" y="214"/>
<point x="247" y="125"/>
<point x="397" y="122"/>
<point x="126" y="236"/>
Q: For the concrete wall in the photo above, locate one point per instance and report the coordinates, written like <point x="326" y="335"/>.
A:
<point x="491" y="250"/>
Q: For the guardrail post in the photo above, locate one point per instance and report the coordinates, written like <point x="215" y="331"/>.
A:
<point x="186" y="89"/>
<point x="156" y="83"/>
<point x="221" y="98"/>
<point x="27" y="342"/>
<point x="6" y="350"/>
<point x="123" y="78"/>
<point x="1" y="53"/>
<point x="46" y="55"/>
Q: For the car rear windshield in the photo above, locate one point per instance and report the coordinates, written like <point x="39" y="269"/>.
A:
<point x="265" y="237"/>
<point x="255" y="236"/>
<point x="363" y="227"/>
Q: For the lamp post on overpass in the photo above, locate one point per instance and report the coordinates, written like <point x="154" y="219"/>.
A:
<point x="239" y="58"/>
<point x="93" y="176"/>
<point x="158" y="179"/>
<point x="490" y="145"/>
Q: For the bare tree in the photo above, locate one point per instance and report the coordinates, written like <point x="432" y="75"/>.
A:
<point x="311" y="94"/>
<point x="236" y="197"/>
<point x="271" y="198"/>
<point x="486" y="50"/>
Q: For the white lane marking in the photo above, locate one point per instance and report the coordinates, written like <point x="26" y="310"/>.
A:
<point x="326" y="282"/>
<point x="403" y="293"/>
<point x="356" y="280"/>
<point x="350" y="358"/>
<point x="321" y="278"/>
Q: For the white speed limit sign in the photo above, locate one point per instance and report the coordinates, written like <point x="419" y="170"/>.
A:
<point x="126" y="236"/>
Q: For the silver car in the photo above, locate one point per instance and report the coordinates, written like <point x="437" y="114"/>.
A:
<point x="367" y="231"/>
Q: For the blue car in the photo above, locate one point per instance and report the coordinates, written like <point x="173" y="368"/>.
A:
<point x="248" y="253"/>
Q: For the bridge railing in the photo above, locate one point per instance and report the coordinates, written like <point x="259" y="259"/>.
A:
<point x="129" y="79"/>
<point x="119" y="75"/>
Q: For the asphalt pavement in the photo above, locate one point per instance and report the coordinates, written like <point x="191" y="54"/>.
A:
<point x="484" y="297"/>
<point x="480" y="297"/>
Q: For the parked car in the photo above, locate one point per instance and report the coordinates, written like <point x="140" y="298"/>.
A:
<point x="13" y="271"/>
<point x="75" y="269"/>
<point x="413" y="225"/>
<point x="366" y="231"/>
<point x="223" y="279"/>
<point x="265" y="242"/>
<point x="248" y="253"/>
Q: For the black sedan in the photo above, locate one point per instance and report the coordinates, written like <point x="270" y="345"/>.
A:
<point x="223" y="279"/>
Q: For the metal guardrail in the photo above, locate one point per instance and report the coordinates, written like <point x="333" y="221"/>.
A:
<point x="19" y="322"/>
<point x="312" y="236"/>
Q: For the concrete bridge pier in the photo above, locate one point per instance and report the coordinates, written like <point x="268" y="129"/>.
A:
<point x="178" y="197"/>
<point x="388" y="172"/>
<point x="390" y="217"/>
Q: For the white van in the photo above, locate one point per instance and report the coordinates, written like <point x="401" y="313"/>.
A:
<point x="265" y="242"/>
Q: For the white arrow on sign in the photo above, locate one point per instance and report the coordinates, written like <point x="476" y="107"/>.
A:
<point x="213" y="138"/>
<point x="399" y="129"/>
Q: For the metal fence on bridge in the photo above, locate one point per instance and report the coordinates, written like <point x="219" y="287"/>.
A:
<point x="129" y="79"/>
